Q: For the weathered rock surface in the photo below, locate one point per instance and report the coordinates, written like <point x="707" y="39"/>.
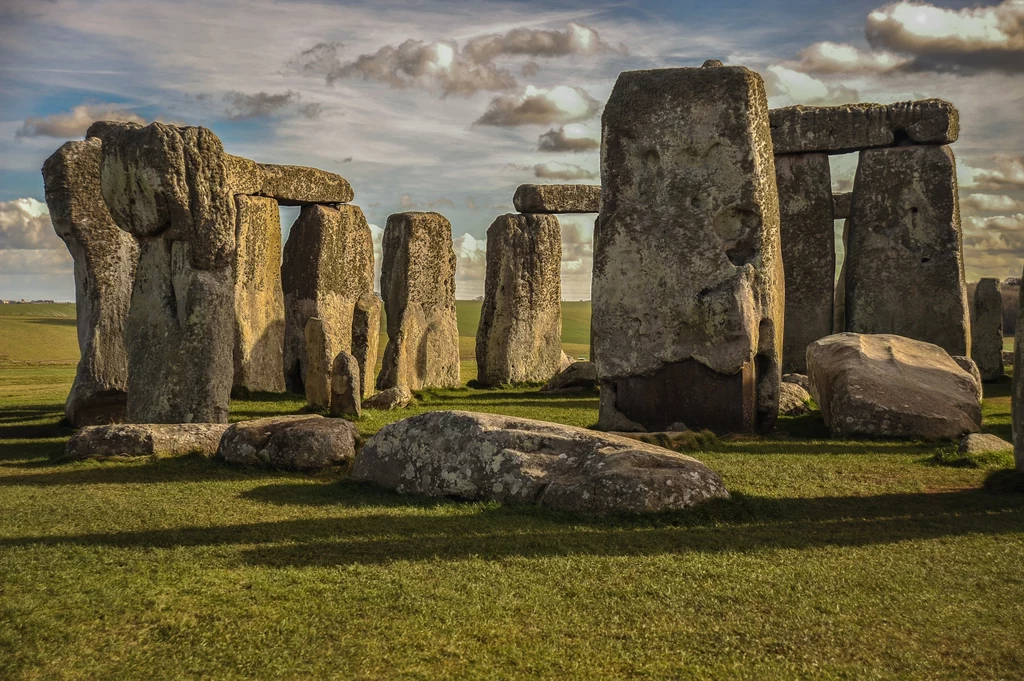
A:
<point x="328" y="267"/>
<point x="366" y="339"/>
<point x="346" y="390"/>
<point x="853" y="127"/>
<point x="983" y="443"/>
<point x="144" y="439"/>
<point x="971" y="367"/>
<point x="296" y="443"/>
<point x="105" y="257"/>
<point x="798" y="379"/>
<point x="519" y="338"/>
<point x="841" y="202"/>
<point x="987" y="329"/>
<point x="392" y="398"/>
<point x="1017" y="396"/>
<point x="793" y="400"/>
<point x="259" y="298"/>
<point x="808" y="253"/>
<point x="888" y="386"/>
<point x="171" y="181"/>
<point x="557" y="198"/>
<point x="417" y="284"/>
<point x="577" y="377"/>
<point x="688" y="280"/>
<point x="318" y="368"/>
<point x="299" y="185"/>
<point x="904" y="262"/>
<point x="565" y="362"/>
<point x="522" y="461"/>
<point x="245" y="176"/>
<point x="839" y="308"/>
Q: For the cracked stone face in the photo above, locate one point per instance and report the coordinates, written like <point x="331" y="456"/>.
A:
<point x="688" y="280"/>
<point x="522" y="461"/>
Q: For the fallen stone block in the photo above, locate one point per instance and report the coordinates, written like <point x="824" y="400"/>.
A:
<point x="793" y="400"/>
<point x="557" y="198"/>
<point x="577" y="377"/>
<point x="522" y="461"/>
<point x="307" y="443"/>
<point x="144" y="439"/>
<point x="889" y="386"/>
<point x="984" y="443"/>
<point x="398" y="397"/>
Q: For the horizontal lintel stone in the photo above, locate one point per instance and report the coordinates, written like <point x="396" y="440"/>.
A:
<point x="558" y="198"/>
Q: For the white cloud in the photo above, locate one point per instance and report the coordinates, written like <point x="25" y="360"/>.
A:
<point x="994" y="245"/>
<point x="471" y="267"/>
<point x="553" y="170"/>
<point x="25" y="224"/>
<point x="541" y="106"/>
<point x="799" y="88"/>
<point x="74" y="123"/>
<point x="991" y="203"/>
<point x="242" y="106"/>
<point x="573" y="137"/>
<point x="1008" y="173"/>
<point x="37" y="262"/>
<point x="830" y="57"/>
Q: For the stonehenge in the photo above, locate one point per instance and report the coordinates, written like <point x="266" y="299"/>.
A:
<point x="417" y="283"/>
<point x="519" y="336"/>
<point x="557" y="198"/>
<point x="688" y="281"/>
<point x="987" y="329"/>
<point x="105" y="258"/>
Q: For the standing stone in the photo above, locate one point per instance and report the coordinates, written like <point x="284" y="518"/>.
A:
<point x="366" y="339"/>
<point x="417" y="282"/>
<point x="328" y="265"/>
<point x="987" y="329"/>
<point x="318" y="369"/>
<point x="904" y="266"/>
<point x="688" y="280"/>
<point x="346" y="397"/>
<point x="105" y="258"/>
<point x="168" y="186"/>
<point x="519" y="338"/>
<point x="839" y="311"/>
<point x="1017" y="396"/>
<point x="808" y="253"/>
<point x="259" y="300"/>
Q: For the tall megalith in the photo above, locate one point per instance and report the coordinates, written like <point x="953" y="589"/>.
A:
<point x="105" y="257"/>
<point x="987" y="329"/>
<point x="417" y="282"/>
<point x="688" y="281"/>
<point x="519" y="338"/>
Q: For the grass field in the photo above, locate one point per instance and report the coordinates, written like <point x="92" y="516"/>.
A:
<point x="834" y="559"/>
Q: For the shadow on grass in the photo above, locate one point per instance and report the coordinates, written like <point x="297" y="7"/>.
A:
<point x="53" y="321"/>
<point x="491" y="532"/>
<point x="140" y="470"/>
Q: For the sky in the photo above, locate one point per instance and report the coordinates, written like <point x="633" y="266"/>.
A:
<point x="449" y="105"/>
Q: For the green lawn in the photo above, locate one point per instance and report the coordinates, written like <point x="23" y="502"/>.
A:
<point x="835" y="559"/>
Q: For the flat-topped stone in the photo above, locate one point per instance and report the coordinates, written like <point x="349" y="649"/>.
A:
<point x="306" y="443"/>
<point x="841" y="205"/>
<point x="299" y="185"/>
<point x="853" y="127"/>
<point x="557" y="198"/>
<point x="144" y="439"/>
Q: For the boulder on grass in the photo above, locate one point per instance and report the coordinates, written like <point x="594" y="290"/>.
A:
<point x="306" y="443"/>
<point x="577" y="377"/>
<point x="798" y="379"/>
<point x="346" y="390"/>
<point x="522" y="461"/>
<point x="793" y="400"/>
<point x="971" y="367"/>
<point x="144" y="439"/>
<point x="889" y="386"/>
<point x="984" y="443"/>
<point x="392" y="398"/>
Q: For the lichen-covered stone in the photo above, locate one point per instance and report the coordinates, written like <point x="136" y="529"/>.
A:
<point x="307" y="443"/>
<point x="557" y="198"/>
<point x="318" y="367"/>
<point x="971" y="367"/>
<point x="853" y="127"/>
<point x="328" y="267"/>
<point x="180" y="337"/>
<point x="259" y="299"/>
<point x="904" y="260"/>
<point x="519" y="338"/>
<point x="417" y="283"/>
<point x="798" y="379"/>
<point x="688" y="279"/>
<point x="987" y="329"/>
<point x="245" y="176"/>
<point x="808" y="253"/>
<point x="889" y="386"/>
<point x="521" y="461"/>
<point x="577" y="377"/>
<point x="346" y="393"/>
<point x="983" y="443"/>
<point x="105" y="258"/>
<point x="169" y="180"/>
<point x="366" y="339"/>
<point x="793" y="400"/>
<point x="841" y="202"/>
<point x="299" y="185"/>
<point x="144" y="439"/>
<point x="386" y="400"/>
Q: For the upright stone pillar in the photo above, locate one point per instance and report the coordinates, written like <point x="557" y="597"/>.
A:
<point x="1017" y="396"/>
<point x="688" y="280"/>
<point x="417" y="282"/>
<point x="259" y="299"/>
<point x="808" y="253"/>
<point x="168" y="186"/>
<point x="105" y="258"/>
<point x="904" y="266"/>
<point x="519" y="338"/>
<point x="366" y="339"/>
<point x="987" y="329"/>
<point x="328" y="265"/>
<point x="839" y="313"/>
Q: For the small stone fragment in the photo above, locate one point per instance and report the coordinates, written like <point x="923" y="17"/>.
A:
<point x="798" y="379"/>
<point x="144" y="439"/>
<point x="307" y="443"/>
<point x="557" y="198"/>
<point x="387" y="400"/>
<point x="346" y="393"/>
<point x="577" y="377"/>
<point x="983" y="443"/>
<point x="971" y="367"/>
<point x="793" y="400"/>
